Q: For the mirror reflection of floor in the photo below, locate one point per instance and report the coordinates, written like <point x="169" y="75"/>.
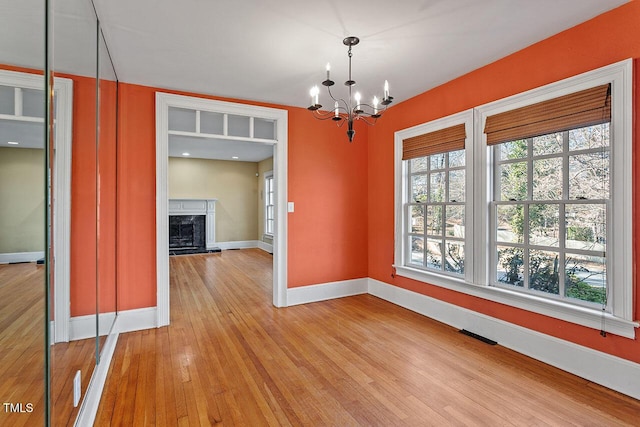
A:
<point x="22" y="344"/>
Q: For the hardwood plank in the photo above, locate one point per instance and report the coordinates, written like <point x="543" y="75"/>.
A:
<point x="230" y="358"/>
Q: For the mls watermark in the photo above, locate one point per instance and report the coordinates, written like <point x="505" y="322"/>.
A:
<point x="17" y="408"/>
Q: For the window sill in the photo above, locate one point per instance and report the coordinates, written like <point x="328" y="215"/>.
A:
<point x="556" y="309"/>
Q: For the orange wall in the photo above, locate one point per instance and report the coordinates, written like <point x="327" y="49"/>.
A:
<point x="327" y="181"/>
<point x="84" y="200"/>
<point x="606" y="39"/>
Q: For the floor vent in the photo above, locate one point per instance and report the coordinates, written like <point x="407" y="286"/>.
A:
<point x="478" y="337"/>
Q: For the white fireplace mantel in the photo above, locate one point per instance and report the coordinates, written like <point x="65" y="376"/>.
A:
<point x="205" y="207"/>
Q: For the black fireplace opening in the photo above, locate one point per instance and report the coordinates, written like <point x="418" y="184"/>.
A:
<point x="187" y="234"/>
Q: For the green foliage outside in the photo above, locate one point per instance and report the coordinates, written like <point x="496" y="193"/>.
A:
<point x="543" y="271"/>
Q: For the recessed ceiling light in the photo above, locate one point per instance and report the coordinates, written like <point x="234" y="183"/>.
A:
<point x="186" y="154"/>
<point x="234" y="157"/>
<point x="13" y="143"/>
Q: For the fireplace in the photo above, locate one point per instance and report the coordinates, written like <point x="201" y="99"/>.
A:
<point x="192" y="226"/>
<point x="187" y="234"/>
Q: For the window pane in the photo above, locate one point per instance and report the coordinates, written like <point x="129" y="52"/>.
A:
<point x="544" y="227"/>
<point x="436" y="190"/>
<point x="513" y="181"/>
<point x="436" y="161"/>
<point x="434" y="254"/>
<point x="513" y="150"/>
<point x="417" y="219"/>
<point x="589" y="137"/>
<point x="264" y="128"/>
<point x="434" y="220"/>
<point x="510" y="268"/>
<point x="547" y="144"/>
<point x="238" y="125"/>
<point x="417" y="250"/>
<point x="33" y="103"/>
<point x="7" y="100"/>
<point x="182" y="119"/>
<point x="419" y="188"/>
<point x="510" y="223"/>
<point x="589" y="176"/>
<point x="585" y="278"/>
<point x="456" y="158"/>
<point x="420" y="164"/>
<point x="547" y="179"/>
<point x="455" y="221"/>
<point x="456" y="185"/>
<point x="543" y="271"/>
<point x="212" y="123"/>
<point x="586" y="227"/>
<point x="454" y="257"/>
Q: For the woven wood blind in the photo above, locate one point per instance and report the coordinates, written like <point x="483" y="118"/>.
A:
<point x="579" y="109"/>
<point x="440" y="141"/>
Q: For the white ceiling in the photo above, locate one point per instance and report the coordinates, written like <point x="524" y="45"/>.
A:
<point x="275" y="50"/>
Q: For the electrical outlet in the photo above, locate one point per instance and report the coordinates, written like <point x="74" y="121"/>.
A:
<point x="77" y="389"/>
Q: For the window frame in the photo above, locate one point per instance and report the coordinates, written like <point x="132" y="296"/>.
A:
<point x="268" y="176"/>
<point x="402" y="201"/>
<point x="480" y="185"/>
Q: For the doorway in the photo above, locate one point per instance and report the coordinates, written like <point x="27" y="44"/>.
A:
<point x="227" y="123"/>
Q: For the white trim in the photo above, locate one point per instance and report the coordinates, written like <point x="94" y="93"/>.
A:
<point x="62" y="189"/>
<point x="401" y="189"/>
<point x="163" y="101"/>
<point x="556" y="309"/>
<point x="91" y="402"/>
<point x="238" y="244"/>
<point x="326" y="291"/>
<point x="17" y="257"/>
<point x="83" y="327"/>
<point x="62" y="207"/>
<point x="602" y="368"/>
<point x="267" y="247"/>
<point x="135" y="320"/>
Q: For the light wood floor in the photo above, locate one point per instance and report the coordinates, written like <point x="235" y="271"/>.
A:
<point x="22" y="351"/>
<point x="231" y="358"/>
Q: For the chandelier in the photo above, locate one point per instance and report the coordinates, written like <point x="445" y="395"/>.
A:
<point x="352" y="108"/>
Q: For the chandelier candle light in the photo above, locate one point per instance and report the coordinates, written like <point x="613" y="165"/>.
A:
<point x="352" y="108"/>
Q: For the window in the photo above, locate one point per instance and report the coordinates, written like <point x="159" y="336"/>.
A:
<point x="434" y="202"/>
<point x="435" y="205"/>
<point x="549" y="172"/>
<point x="549" y="214"/>
<point x="269" y="204"/>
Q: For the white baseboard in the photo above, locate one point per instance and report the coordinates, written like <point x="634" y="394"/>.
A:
<point x="83" y="327"/>
<point x="325" y="291"/>
<point x="601" y="368"/>
<point x="136" y="320"/>
<point x="89" y="407"/>
<point x="267" y="247"/>
<point x="240" y="244"/>
<point x="21" y="257"/>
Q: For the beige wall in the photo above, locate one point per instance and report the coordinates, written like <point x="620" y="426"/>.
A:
<point x="235" y="186"/>
<point x="21" y="200"/>
<point x="264" y="166"/>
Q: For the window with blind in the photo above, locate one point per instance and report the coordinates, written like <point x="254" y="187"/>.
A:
<point x="435" y="202"/>
<point x="549" y="174"/>
<point x="436" y="205"/>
